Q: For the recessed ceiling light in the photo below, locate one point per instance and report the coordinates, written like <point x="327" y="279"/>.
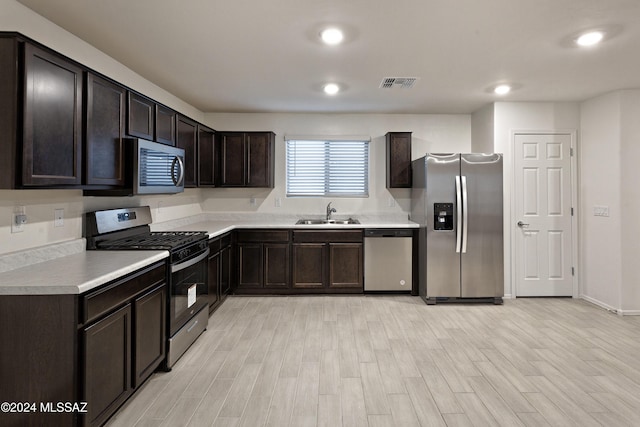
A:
<point x="590" y="38"/>
<point x="332" y="36"/>
<point x="331" y="88"/>
<point x="502" y="89"/>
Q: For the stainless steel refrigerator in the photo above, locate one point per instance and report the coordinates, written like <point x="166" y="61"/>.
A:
<point x="457" y="200"/>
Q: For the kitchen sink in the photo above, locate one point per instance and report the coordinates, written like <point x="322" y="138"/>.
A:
<point x="327" y="221"/>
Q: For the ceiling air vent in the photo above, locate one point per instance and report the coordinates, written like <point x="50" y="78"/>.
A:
<point x="401" y="82"/>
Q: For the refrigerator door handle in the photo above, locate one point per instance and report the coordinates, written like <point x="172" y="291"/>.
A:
<point x="458" y="215"/>
<point x="465" y="213"/>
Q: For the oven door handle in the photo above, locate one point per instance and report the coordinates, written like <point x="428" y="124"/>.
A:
<point x="189" y="263"/>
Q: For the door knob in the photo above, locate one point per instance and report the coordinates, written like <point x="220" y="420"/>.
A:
<point x="522" y="224"/>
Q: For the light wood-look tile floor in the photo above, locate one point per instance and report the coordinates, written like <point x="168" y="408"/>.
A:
<point x="394" y="361"/>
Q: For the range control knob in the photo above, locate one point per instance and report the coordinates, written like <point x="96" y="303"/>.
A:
<point x="183" y="254"/>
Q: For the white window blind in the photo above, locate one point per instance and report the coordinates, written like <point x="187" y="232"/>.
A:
<point x="327" y="168"/>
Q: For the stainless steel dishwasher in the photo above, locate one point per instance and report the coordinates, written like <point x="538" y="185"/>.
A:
<point x="388" y="259"/>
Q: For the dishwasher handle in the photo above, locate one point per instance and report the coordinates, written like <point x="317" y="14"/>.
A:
<point x="388" y="232"/>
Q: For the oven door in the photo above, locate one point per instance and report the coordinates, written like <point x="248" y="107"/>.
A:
<point x="188" y="293"/>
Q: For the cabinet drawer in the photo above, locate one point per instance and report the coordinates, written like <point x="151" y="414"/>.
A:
<point x="99" y="302"/>
<point x="214" y="246"/>
<point x="322" y="236"/>
<point x="263" y="236"/>
<point x="225" y="240"/>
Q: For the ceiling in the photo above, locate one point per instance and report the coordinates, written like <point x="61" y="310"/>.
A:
<point x="265" y="55"/>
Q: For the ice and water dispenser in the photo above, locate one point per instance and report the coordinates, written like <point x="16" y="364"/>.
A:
<point x="443" y="216"/>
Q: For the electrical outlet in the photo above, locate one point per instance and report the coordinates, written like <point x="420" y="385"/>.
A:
<point x="252" y="201"/>
<point x="278" y="202"/>
<point x="18" y="220"/>
<point x="391" y="202"/>
<point x="58" y="218"/>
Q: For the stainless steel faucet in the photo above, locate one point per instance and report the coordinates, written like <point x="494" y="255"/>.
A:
<point x="330" y="210"/>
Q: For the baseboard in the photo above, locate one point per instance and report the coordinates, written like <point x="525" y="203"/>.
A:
<point x="610" y="308"/>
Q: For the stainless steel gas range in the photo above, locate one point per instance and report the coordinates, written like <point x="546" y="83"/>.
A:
<point x="187" y="305"/>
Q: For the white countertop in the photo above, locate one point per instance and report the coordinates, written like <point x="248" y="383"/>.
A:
<point x="77" y="273"/>
<point x="217" y="227"/>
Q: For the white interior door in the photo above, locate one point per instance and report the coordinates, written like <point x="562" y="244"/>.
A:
<point x="543" y="215"/>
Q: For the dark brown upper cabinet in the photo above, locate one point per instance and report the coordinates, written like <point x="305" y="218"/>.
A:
<point x="52" y="126"/>
<point x="63" y="125"/>
<point x="207" y="168"/>
<point x="246" y="159"/>
<point x="398" y="159"/>
<point x="41" y="103"/>
<point x="105" y="129"/>
<point x="149" y="120"/>
<point x="141" y="112"/>
<point x="187" y="140"/>
<point x="165" y="125"/>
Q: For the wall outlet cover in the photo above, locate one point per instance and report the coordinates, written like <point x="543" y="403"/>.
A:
<point x="58" y="218"/>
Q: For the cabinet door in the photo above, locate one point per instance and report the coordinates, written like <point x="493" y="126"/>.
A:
<point x="214" y="281"/>
<point x="107" y="368"/>
<point x="345" y="265"/>
<point x="52" y="149"/>
<point x="140" y="116"/>
<point x="225" y="271"/>
<point x="259" y="159"/>
<point x="276" y="265"/>
<point x="165" y="125"/>
<point x="250" y="265"/>
<point x="232" y="159"/>
<point x="105" y="129"/>
<point x="206" y="157"/>
<point x="309" y="265"/>
<point x="398" y="159"/>
<point x="187" y="137"/>
<point x="150" y="337"/>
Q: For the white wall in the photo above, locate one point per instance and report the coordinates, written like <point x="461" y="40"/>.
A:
<point x="16" y="17"/>
<point x="601" y="263"/>
<point x="610" y="147"/>
<point x="630" y="200"/>
<point x="431" y="132"/>
<point x="528" y="116"/>
<point x="482" y="130"/>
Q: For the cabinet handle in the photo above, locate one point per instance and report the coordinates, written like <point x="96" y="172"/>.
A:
<point x="249" y="161"/>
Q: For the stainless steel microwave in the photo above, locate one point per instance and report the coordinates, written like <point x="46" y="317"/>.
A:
<point x="157" y="168"/>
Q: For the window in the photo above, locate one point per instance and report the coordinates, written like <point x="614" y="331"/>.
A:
<point x="327" y="167"/>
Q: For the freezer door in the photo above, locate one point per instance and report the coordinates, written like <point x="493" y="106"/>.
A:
<point x="443" y="263"/>
<point x="483" y="261"/>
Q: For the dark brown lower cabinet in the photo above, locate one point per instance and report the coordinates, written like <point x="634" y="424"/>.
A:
<point x="214" y="281"/>
<point x="346" y="266"/>
<point x="107" y="372"/>
<point x="327" y="261"/>
<point x="263" y="261"/>
<point x="226" y="262"/>
<point x="123" y="340"/>
<point x="219" y="270"/>
<point x="150" y="338"/>
<point x="309" y="265"/>
<point x="96" y="347"/>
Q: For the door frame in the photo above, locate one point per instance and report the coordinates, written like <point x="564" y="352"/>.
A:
<point x="574" y="204"/>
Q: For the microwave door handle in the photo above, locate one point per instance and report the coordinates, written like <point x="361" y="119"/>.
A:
<point x="178" y="160"/>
